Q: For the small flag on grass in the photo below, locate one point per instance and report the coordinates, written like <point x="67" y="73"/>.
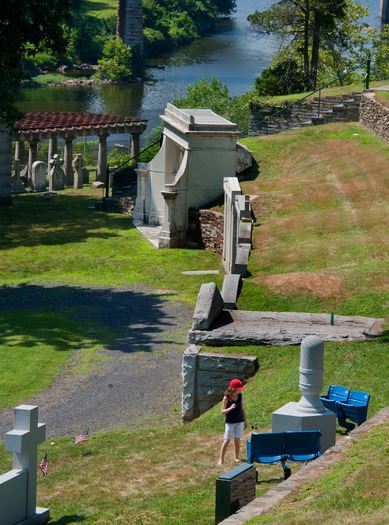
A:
<point x="82" y="437"/>
<point x="43" y="465"/>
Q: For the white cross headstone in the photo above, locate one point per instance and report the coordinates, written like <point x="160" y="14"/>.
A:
<point x="23" y="441"/>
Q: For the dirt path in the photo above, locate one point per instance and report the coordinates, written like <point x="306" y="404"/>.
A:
<point x="140" y="376"/>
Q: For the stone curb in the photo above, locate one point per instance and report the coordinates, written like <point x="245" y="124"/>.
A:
<point x="310" y="472"/>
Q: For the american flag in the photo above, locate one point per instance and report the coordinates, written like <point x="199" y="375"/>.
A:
<point x="43" y="465"/>
<point x="82" y="437"/>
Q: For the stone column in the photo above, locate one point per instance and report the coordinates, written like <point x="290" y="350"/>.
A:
<point x="68" y="159"/>
<point x="135" y="144"/>
<point x="139" y="213"/>
<point x="168" y="236"/>
<point x="17" y="150"/>
<point x="32" y="157"/>
<point x="52" y="150"/>
<point x="311" y="375"/>
<point x="102" y="158"/>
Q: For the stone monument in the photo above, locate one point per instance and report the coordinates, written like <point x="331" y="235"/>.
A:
<point x="78" y="165"/>
<point x="56" y="174"/>
<point x="18" y="486"/>
<point x="38" y="177"/>
<point x="309" y="413"/>
<point x="16" y="182"/>
<point x="197" y="152"/>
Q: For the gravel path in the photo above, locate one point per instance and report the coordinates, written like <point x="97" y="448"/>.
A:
<point x="140" y="376"/>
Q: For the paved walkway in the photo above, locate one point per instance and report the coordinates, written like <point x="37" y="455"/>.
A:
<point x="312" y="471"/>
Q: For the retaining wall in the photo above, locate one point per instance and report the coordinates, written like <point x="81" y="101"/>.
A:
<point x="206" y="376"/>
<point x="374" y="115"/>
<point x="205" y="229"/>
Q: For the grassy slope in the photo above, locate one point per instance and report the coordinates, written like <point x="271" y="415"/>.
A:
<point x="162" y="476"/>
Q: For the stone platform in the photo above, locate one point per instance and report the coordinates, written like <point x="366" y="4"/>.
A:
<point x="239" y="327"/>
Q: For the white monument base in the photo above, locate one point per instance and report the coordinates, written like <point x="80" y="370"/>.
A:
<point x="289" y="417"/>
<point x="41" y="517"/>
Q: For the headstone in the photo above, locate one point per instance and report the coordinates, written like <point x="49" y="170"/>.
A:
<point x="208" y="307"/>
<point x="309" y="413"/>
<point x="85" y="175"/>
<point x="38" y="178"/>
<point x="23" y="441"/>
<point x="232" y="285"/>
<point x="78" y="165"/>
<point x="56" y="175"/>
<point x="16" y="182"/>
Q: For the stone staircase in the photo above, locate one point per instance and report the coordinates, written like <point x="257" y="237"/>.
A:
<point x="312" y="112"/>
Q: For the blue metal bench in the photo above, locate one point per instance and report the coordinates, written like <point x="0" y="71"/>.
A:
<point x="347" y="404"/>
<point x="270" y="447"/>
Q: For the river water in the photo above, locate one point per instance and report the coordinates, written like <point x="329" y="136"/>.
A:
<point x="233" y="55"/>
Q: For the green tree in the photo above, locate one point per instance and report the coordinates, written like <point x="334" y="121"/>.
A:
<point x="26" y="27"/>
<point x="214" y="95"/>
<point x="380" y="55"/>
<point x="116" y="63"/>
<point x="283" y="78"/>
<point x="311" y="30"/>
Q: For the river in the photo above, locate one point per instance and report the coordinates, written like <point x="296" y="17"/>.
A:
<point x="233" y="55"/>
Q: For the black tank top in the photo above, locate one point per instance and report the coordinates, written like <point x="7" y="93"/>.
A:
<point x="236" y="415"/>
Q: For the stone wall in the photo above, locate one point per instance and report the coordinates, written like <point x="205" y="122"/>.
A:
<point x="124" y="205"/>
<point x="205" y="229"/>
<point x="374" y="116"/>
<point x="206" y="376"/>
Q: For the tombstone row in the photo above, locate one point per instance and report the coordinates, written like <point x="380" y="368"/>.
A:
<point x="37" y="179"/>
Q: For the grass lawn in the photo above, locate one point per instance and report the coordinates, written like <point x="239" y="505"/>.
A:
<point x="319" y="244"/>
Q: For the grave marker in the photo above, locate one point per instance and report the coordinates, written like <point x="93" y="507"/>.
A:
<point x="56" y="175"/>
<point x="18" y="487"/>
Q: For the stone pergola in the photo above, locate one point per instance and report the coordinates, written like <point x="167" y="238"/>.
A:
<point x="51" y="126"/>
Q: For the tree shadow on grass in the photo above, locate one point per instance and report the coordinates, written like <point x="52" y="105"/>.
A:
<point x="65" y="219"/>
<point x="125" y="320"/>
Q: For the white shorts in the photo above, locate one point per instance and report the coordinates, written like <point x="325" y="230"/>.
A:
<point x="234" y="430"/>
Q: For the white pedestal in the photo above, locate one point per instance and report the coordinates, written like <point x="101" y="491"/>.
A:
<point x="289" y="417"/>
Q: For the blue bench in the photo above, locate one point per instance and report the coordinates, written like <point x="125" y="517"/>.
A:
<point x="270" y="447"/>
<point x="347" y="404"/>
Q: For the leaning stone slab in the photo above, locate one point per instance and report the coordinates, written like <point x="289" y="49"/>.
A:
<point x="232" y="285"/>
<point x="208" y="307"/>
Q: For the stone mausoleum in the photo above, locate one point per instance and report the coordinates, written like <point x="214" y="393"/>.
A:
<point x="199" y="150"/>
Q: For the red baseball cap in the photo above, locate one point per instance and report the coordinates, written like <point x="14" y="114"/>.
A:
<point x="237" y="383"/>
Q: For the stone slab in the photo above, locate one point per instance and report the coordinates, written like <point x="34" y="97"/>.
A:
<point x="208" y="307"/>
<point x="239" y="327"/>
